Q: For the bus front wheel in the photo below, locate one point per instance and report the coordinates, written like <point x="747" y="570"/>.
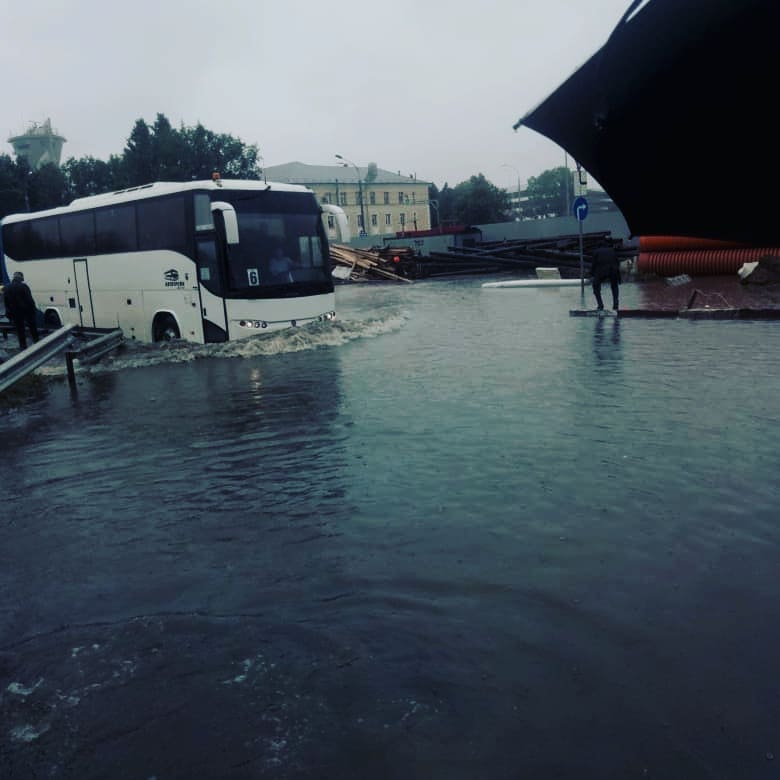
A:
<point x="166" y="329"/>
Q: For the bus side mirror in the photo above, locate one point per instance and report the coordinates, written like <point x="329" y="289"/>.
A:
<point x="340" y="219"/>
<point x="231" y="220"/>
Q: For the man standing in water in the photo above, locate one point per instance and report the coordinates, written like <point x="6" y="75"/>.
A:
<point x="604" y="266"/>
<point x="20" y="308"/>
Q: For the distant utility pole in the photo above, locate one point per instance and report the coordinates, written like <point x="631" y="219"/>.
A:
<point x="517" y="206"/>
<point x="363" y="230"/>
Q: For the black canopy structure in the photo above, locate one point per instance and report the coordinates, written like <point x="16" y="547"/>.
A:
<point x="675" y="117"/>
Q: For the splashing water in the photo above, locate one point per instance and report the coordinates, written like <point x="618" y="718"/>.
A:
<point x="307" y="337"/>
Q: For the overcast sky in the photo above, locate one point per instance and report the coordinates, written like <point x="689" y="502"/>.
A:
<point x="425" y="87"/>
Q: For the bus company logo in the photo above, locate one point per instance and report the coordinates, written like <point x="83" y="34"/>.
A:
<point x="172" y="278"/>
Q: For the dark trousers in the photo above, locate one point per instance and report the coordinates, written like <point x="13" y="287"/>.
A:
<point x="614" y="282"/>
<point x="19" y="323"/>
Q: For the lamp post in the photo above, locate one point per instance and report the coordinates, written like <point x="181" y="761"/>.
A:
<point x="517" y="207"/>
<point x="346" y="162"/>
<point x="262" y="167"/>
<point x="435" y="204"/>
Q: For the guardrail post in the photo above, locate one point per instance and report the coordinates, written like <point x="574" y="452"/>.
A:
<point x="92" y="350"/>
<point x="34" y="356"/>
<point x="69" y="365"/>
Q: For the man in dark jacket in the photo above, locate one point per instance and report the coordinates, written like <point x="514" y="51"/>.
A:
<point x="20" y="308"/>
<point x="604" y="266"/>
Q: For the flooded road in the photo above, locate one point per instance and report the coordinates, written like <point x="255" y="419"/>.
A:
<point x="455" y="534"/>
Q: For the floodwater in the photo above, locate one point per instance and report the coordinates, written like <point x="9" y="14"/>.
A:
<point x="455" y="534"/>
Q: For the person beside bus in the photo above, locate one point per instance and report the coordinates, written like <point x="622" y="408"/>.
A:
<point x="605" y="266"/>
<point x="20" y="308"/>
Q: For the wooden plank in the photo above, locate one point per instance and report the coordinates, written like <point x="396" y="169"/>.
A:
<point x="593" y="313"/>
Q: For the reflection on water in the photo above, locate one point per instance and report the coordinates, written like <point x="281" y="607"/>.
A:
<point x="458" y="534"/>
<point x="606" y="341"/>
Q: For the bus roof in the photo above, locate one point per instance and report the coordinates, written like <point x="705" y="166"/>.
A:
<point x="156" y="189"/>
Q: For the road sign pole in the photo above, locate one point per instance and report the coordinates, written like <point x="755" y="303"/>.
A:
<point x="580" y="209"/>
<point x="582" y="264"/>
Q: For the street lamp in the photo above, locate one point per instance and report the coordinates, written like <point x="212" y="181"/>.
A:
<point x="435" y="204"/>
<point x="346" y="162"/>
<point x="507" y="165"/>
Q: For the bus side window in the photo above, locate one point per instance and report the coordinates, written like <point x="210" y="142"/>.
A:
<point x="162" y="224"/>
<point x="77" y="234"/>
<point x="115" y="229"/>
<point x="203" y="218"/>
<point x="208" y="265"/>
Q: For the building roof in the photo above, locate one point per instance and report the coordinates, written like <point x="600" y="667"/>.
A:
<point x="301" y="173"/>
<point x="672" y="117"/>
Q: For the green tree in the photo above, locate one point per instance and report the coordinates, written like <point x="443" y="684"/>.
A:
<point x="163" y="153"/>
<point x="47" y="188"/>
<point x="549" y="193"/>
<point x="152" y="153"/>
<point x="87" y="176"/>
<point x="138" y="158"/>
<point x="446" y="204"/>
<point x="118" y="173"/>
<point x="206" y="152"/>
<point x="478" y="201"/>
<point x="167" y="151"/>
<point x="13" y="185"/>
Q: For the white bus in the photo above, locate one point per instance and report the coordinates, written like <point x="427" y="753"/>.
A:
<point x="195" y="260"/>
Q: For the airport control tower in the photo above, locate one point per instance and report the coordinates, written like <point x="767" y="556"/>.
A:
<point x="39" y="145"/>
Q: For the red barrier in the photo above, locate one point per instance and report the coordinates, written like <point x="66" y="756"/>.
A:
<point x="701" y="262"/>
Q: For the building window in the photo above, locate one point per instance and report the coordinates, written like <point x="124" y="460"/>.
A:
<point x="331" y="223"/>
<point x="327" y="197"/>
<point x="374" y="220"/>
<point x="387" y="197"/>
<point x="342" y="199"/>
<point x="414" y="197"/>
<point x="360" y="220"/>
<point x="388" y="220"/>
<point x="372" y="198"/>
<point x="403" y="219"/>
<point x="401" y="198"/>
<point x="358" y="198"/>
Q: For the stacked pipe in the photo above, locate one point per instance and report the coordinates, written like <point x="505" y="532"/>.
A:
<point x="674" y="255"/>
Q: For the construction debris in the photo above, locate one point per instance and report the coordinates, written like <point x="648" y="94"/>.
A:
<point x="766" y="270"/>
<point x="517" y="255"/>
<point x="371" y="264"/>
<point x="562" y="252"/>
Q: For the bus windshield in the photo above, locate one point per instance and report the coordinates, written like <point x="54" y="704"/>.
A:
<point x="279" y="251"/>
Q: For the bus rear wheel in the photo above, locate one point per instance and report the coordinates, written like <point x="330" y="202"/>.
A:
<point x="166" y="329"/>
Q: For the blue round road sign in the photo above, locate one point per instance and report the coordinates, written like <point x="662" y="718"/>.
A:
<point x="580" y="208"/>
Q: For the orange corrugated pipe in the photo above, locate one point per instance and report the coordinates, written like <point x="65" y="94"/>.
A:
<point x="700" y="262"/>
<point x="674" y="243"/>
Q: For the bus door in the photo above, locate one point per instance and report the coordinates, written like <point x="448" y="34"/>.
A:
<point x="210" y="282"/>
<point x="83" y="293"/>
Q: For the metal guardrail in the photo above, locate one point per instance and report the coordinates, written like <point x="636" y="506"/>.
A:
<point x="93" y="350"/>
<point x="28" y="360"/>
